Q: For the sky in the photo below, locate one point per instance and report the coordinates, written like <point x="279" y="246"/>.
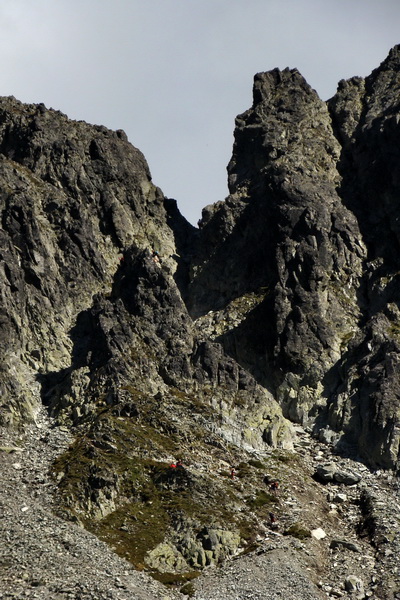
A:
<point x="173" y="74"/>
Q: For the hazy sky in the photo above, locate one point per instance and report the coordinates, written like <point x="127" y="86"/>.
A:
<point x="175" y="73"/>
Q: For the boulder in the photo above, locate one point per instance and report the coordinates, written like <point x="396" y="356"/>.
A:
<point x="326" y="473"/>
<point x="165" y="558"/>
<point x="318" y="534"/>
<point x="332" y="473"/>
<point x="340" y="498"/>
<point x="354" y="585"/>
<point x="344" y="544"/>
<point x="347" y="477"/>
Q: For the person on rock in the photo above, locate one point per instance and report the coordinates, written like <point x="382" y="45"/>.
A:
<point x="274" y="487"/>
<point x="272" y="521"/>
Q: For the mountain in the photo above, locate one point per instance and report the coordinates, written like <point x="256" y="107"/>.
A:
<point x="261" y="346"/>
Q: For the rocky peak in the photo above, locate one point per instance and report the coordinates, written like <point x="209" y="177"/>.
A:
<point x="288" y="129"/>
<point x="301" y="258"/>
<point x="73" y="197"/>
<point x="288" y="239"/>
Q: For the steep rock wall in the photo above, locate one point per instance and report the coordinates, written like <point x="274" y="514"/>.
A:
<point x="72" y="197"/>
<point x="284" y="302"/>
<point x="88" y="312"/>
<point x="296" y="272"/>
<point x="366" y="118"/>
<point x="292" y="242"/>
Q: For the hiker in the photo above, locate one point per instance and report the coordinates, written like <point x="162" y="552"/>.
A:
<point x="233" y="473"/>
<point x="274" y="487"/>
<point x="179" y="463"/>
<point x="272" y="521"/>
<point x="156" y="257"/>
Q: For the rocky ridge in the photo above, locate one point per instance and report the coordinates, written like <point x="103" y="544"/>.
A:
<point x="147" y="340"/>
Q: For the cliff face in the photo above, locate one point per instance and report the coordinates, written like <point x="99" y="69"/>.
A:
<point x="66" y="216"/>
<point x="299" y="248"/>
<point x="282" y="308"/>
<point x="310" y="230"/>
<point x="365" y="116"/>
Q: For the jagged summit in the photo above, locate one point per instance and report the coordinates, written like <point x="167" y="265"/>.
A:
<point x="391" y="63"/>
<point x="309" y="225"/>
<point x="149" y="340"/>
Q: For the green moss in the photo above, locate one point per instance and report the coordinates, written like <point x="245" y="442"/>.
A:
<point x="256" y="464"/>
<point x="149" y="497"/>
<point x="179" y="394"/>
<point x="191" y="401"/>
<point x="178" y="579"/>
<point x="299" y="531"/>
<point x="285" y="457"/>
<point x="28" y="174"/>
<point x="74" y="465"/>
<point x="147" y="438"/>
<point x="346" y="339"/>
<point x="394" y="330"/>
<point x="133" y="529"/>
<point x="249" y="530"/>
<point x="244" y="470"/>
<point x="142" y="350"/>
<point x="262" y="499"/>
<point x="137" y="395"/>
<point x="391" y="536"/>
<point x="239" y="400"/>
<point x="152" y="493"/>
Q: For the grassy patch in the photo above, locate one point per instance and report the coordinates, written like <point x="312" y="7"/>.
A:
<point x="394" y="330"/>
<point x="127" y="454"/>
<point x="285" y="457"/>
<point x="298" y="530"/>
<point x="261" y="500"/>
<point x="178" y="579"/>
<point x="116" y="463"/>
<point x="249" y="531"/>
<point x="346" y="339"/>
<point x="257" y="464"/>
<point x="133" y="529"/>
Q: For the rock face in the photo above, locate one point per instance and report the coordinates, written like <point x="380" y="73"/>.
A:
<point x="366" y="119"/>
<point x="300" y="262"/>
<point x="151" y="340"/>
<point x="299" y="248"/>
<point x="65" y="219"/>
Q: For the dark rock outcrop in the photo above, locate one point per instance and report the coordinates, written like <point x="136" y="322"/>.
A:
<point x="293" y="244"/>
<point x="366" y="119"/>
<point x="72" y="197"/>
<point x="299" y="265"/>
